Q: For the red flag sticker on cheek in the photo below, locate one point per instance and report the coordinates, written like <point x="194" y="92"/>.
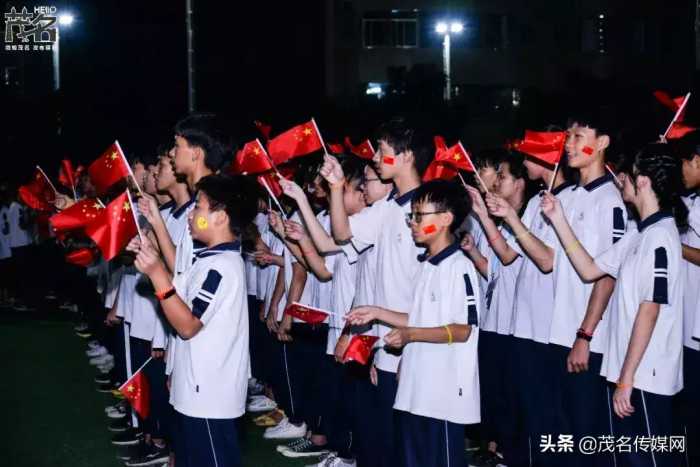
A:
<point x="429" y="229"/>
<point x="388" y="160"/>
<point x="587" y="150"/>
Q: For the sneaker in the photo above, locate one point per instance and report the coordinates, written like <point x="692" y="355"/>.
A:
<point x="65" y="306"/>
<point x="112" y="408"/>
<point x="332" y="460"/>
<point x="261" y="404"/>
<point x="80" y="327"/>
<point x="84" y="334"/>
<point x="106" y="368"/>
<point x="133" y="451"/>
<point x="93" y="344"/>
<point x="102" y="360"/>
<point x="305" y="449"/>
<point x="105" y="387"/>
<point x="96" y="351"/>
<point x="102" y="378"/>
<point x="153" y="456"/>
<point x="20" y="307"/>
<point x="119" y="426"/>
<point x="290" y="445"/>
<point x="50" y="295"/>
<point x="485" y="458"/>
<point x="120" y="412"/>
<point x="128" y="437"/>
<point x="285" y="430"/>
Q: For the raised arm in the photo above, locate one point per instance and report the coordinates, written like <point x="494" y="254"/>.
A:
<point x="579" y="257"/>
<point x="481" y="263"/>
<point x="366" y="314"/>
<point x="340" y="223"/>
<point x="692" y="255"/>
<point x="314" y="261"/>
<point x="148" y="206"/>
<point x="497" y="242"/>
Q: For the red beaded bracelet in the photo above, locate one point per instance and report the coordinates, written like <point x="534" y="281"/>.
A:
<point x="164" y="295"/>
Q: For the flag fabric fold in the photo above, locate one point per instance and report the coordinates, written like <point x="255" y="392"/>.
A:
<point x="77" y="216"/>
<point x="81" y="257"/>
<point x="359" y="349"/>
<point x="38" y="194"/>
<point x="547" y="146"/>
<point x="114" y="227"/>
<point x="252" y="159"/>
<point x="67" y="176"/>
<point x="137" y="391"/>
<point x="305" y="313"/>
<point x="456" y="157"/>
<point x="297" y="141"/>
<point x="108" y="169"/>
<point x="263" y="128"/>
<point x="363" y="150"/>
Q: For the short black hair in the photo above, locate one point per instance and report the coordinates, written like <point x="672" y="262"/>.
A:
<point x="235" y="194"/>
<point x="402" y="136"/>
<point x="206" y="131"/>
<point x="490" y="157"/>
<point x="445" y="195"/>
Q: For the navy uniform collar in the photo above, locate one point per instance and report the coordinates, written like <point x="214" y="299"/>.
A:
<point x="177" y="212"/>
<point x="653" y="219"/>
<point x="166" y="206"/>
<point x="437" y="259"/>
<point x="598" y="182"/>
<point x="404" y="198"/>
<point x="562" y="187"/>
<point x="220" y="248"/>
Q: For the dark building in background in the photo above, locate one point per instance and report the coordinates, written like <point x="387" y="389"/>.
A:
<point x="378" y="47"/>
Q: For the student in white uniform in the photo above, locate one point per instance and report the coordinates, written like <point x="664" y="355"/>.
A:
<point x="318" y="245"/>
<point x="207" y="307"/>
<point x="21" y="241"/>
<point x="438" y="391"/>
<point x="688" y="151"/>
<point x="501" y="427"/>
<point x="402" y="157"/>
<point x="644" y="351"/>
<point x="534" y="240"/>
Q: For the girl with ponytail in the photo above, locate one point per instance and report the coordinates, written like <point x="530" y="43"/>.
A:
<point x="643" y="358"/>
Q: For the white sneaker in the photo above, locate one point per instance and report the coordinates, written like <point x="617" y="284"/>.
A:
<point x="96" y="351"/>
<point x="102" y="360"/>
<point x="93" y="344"/>
<point x="290" y="445"/>
<point x="106" y="368"/>
<point x="285" y="430"/>
<point x="332" y="460"/>
<point x="261" y="404"/>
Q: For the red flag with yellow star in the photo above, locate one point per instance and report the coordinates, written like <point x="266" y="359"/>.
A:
<point x="298" y="141"/>
<point x="137" y="391"/>
<point x="547" y="146"/>
<point x="76" y="216"/>
<point x="359" y="349"/>
<point x="252" y="159"/>
<point x="456" y="157"/>
<point x="115" y="226"/>
<point x="263" y="128"/>
<point x="336" y="148"/>
<point x="438" y="170"/>
<point x="67" y="176"/>
<point x="108" y="169"/>
<point x="38" y="194"/>
<point x="363" y="150"/>
<point x="308" y="314"/>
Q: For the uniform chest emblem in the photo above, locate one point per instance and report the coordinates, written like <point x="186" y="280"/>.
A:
<point x="398" y="237"/>
<point x="433" y="298"/>
<point x="580" y="217"/>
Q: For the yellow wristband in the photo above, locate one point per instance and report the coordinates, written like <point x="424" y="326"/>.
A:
<point x="573" y="247"/>
<point x="523" y="233"/>
<point x="449" y="335"/>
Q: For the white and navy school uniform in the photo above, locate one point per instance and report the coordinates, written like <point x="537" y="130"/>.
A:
<point x="384" y="226"/>
<point x="210" y="375"/>
<point x="5" y="250"/>
<point x="597" y="215"/>
<point x="438" y="391"/>
<point x="647" y="265"/>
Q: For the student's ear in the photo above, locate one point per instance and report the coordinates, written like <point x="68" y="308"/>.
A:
<point x="408" y="157"/>
<point x="602" y="142"/>
<point x="446" y="219"/>
<point x="643" y="182"/>
<point x="220" y="217"/>
<point x="695" y="162"/>
<point x="520" y="184"/>
<point x="197" y="154"/>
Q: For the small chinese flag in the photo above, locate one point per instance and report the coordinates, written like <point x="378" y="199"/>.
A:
<point x="678" y="128"/>
<point x="115" y="226"/>
<point x="359" y="349"/>
<point x="305" y="313"/>
<point x="363" y="150"/>
<point x="298" y="141"/>
<point x="547" y="146"/>
<point x="263" y="128"/>
<point x="439" y="171"/>
<point x="271" y="179"/>
<point x="67" y="176"/>
<point x="110" y="168"/>
<point x="456" y="157"/>
<point x="336" y="148"/>
<point x="38" y="194"/>
<point x="77" y="216"/>
<point x="252" y="159"/>
<point x="81" y="257"/>
<point x="137" y="391"/>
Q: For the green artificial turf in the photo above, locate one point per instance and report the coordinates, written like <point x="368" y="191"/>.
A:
<point x="51" y="414"/>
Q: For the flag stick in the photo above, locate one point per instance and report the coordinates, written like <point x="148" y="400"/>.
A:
<point x="267" y="187"/>
<point x="617" y="180"/>
<point x="133" y="213"/>
<point x="462" y="179"/>
<point x="135" y="373"/>
<point x="272" y="163"/>
<point x="554" y="176"/>
<point x="476" y="171"/>
<point x="47" y="179"/>
<point x="678" y="114"/>
<point x="101" y="203"/>
<point x="325" y="151"/>
<point x="128" y="167"/>
<point x="75" y="195"/>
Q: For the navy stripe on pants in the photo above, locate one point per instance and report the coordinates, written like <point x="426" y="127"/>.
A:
<point x="429" y="442"/>
<point x="206" y="442"/>
<point x="385" y="445"/>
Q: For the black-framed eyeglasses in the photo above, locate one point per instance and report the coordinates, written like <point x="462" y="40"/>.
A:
<point x="417" y="216"/>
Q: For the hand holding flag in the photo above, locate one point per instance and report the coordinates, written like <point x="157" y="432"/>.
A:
<point x="39" y="194"/>
<point x="136" y="390"/>
<point x="359" y="349"/>
<point x="305" y="313"/>
<point x="113" y="229"/>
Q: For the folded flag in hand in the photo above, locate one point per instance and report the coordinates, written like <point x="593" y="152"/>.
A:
<point x="359" y="349"/>
<point x="305" y="313"/>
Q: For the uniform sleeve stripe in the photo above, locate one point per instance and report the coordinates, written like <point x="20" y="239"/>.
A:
<point x="199" y="306"/>
<point x="472" y="316"/>
<point x="206" y="293"/>
<point x="660" y="294"/>
<point x="618" y="224"/>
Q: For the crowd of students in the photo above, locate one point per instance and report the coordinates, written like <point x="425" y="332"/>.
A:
<point x="525" y="313"/>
